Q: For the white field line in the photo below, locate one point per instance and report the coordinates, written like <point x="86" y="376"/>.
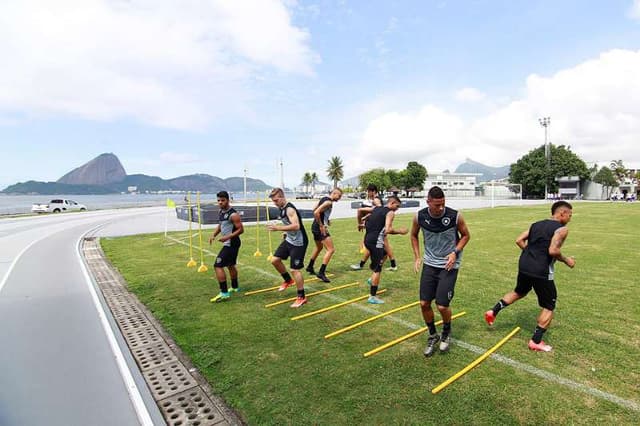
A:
<point x="546" y="375"/>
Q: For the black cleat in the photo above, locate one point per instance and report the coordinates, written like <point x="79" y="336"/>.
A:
<point x="323" y="277"/>
<point x="310" y="270"/>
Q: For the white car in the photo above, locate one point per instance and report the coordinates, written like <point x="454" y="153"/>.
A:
<point x="58" y="206"/>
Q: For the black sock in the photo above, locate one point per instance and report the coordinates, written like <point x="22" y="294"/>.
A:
<point x="234" y="282"/>
<point x="432" y="327"/>
<point x="323" y="268"/>
<point x="446" y="329"/>
<point x="311" y="262"/>
<point x="499" y="306"/>
<point x="301" y="293"/>
<point x="373" y="290"/>
<point x="537" y="334"/>
<point x="223" y="286"/>
<point x="393" y="263"/>
<point x="362" y="262"/>
<point x="286" y="277"/>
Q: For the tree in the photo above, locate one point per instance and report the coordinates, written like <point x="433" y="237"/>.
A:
<point x="607" y="179"/>
<point x="619" y="171"/>
<point x="532" y="171"/>
<point x="314" y="180"/>
<point x="414" y="176"/>
<point x="306" y="180"/>
<point x="377" y="177"/>
<point x="335" y="170"/>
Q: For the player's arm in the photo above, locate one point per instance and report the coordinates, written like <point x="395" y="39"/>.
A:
<point x="415" y="244"/>
<point x="556" y="245"/>
<point x="465" y="236"/>
<point x="237" y="223"/>
<point x="318" y="211"/>
<point x="522" y="239"/>
<point x="214" y="234"/>
<point x="388" y="225"/>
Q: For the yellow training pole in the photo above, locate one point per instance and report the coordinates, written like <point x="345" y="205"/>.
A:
<point x="312" y="294"/>
<point x="203" y="267"/>
<point x="336" y="306"/>
<point x="264" y="290"/>
<point x="191" y="263"/>
<point x="257" y="253"/>
<point x="474" y="363"/>
<point x="368" y="320"/>
<point x="270" y="246"/>
<point x="406" y="337"/>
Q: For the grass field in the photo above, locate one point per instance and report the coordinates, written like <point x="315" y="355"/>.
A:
<point x="276" y="371"/>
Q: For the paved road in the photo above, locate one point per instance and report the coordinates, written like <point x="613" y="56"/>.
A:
<point x="63" y="359"/>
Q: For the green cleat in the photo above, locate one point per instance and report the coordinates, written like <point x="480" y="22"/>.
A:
<point x="221" y="297"/>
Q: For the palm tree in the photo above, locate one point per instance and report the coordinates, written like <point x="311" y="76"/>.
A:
<point x="335" y="170"/>
<point x="618" y="169"/>
<point x="307" y="180"/>
<point x="314" y="180"/>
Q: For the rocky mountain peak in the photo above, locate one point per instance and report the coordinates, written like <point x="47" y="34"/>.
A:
<point x="102" y="170"/>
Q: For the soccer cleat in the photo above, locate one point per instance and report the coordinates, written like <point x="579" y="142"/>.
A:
<point x="539" y="347"/>
<point x="221" y="297"/>
<point x="356" y="267"/>
<point x="392" y="268"/>
<point x="310" y="270"/>
<point x="444" y="343"/>
<point x="285" y="285"/>
<point x="235" y="290"/>
<point x="490" y="317"/>
<point x="431" y="345"/>
<point x="299" y="302"/>
<point x="374" y="300"/>
<point x="323" y="277"/>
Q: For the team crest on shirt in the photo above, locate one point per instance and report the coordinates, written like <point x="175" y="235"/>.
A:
<point x="446" y="221"/>
<point x="226" y="216"/>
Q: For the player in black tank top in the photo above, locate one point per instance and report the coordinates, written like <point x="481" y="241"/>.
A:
<point x="540" y="246"/>
<point x="321" y="237"/>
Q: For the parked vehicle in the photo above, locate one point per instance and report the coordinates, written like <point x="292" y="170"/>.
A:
<point x="58" y="206"/>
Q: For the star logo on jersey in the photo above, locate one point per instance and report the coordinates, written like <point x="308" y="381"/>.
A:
<point x="446" y="221"/>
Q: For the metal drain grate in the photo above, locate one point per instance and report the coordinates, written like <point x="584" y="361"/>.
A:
<point x="169" y="380"/>
<point x="129" y="309"/>
<point x="191" y="408"/>
<point x="152" y="356"/>
<point x="142" y="336"/>
<point x="132" y="322"/>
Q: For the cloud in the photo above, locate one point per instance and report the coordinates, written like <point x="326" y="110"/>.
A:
<point x="170" y="64"/>
<point x="634" y="11"/>
<point x="469" y="94"/>
<point x="593" y="108"/>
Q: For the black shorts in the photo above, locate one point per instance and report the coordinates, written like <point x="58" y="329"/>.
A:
<point x="286" y="250"/>
<point x="544" y="289"/>
<point x="438" y="284"/>
<point x="317" y="235"/>
<point x="377" y="255"/>
<point x="227" y="257"/>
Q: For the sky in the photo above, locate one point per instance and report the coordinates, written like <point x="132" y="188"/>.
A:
<point x="220" y="87"/>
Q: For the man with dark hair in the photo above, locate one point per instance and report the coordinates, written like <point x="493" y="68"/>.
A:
<point x="230" y="227"/>
<point x="378" y="225"/>
<point x="540" y="246"/>
<point x="445" y="234"/>
<point x="320" y="230"/>
<point x="294" y="245"/>
<point x="373" y="200"/>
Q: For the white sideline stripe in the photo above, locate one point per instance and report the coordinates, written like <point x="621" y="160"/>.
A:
<point x="626" y="403"/>
<point x="134" y="393"/>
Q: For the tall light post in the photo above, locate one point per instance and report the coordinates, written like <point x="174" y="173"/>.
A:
<point x="245" y="182"/>
<point x="546" y="122"/>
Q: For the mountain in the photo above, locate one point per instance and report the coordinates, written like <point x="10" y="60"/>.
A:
<point x="102" y="170"/>
<point x="106" y="175"/>
<point x="488" y="173"/>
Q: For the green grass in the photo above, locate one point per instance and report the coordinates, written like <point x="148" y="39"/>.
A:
<point x="276" y="371"/>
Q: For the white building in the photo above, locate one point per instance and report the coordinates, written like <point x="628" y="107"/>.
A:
<point x="453" y="184"/>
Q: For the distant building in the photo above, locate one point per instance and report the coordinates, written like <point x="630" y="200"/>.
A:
<point x="453" y="184"/>
<point x="311" y="190"/>
<point x="132" y="189"/>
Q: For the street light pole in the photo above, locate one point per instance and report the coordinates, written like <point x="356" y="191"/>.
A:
<point x="546" y="122"/>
